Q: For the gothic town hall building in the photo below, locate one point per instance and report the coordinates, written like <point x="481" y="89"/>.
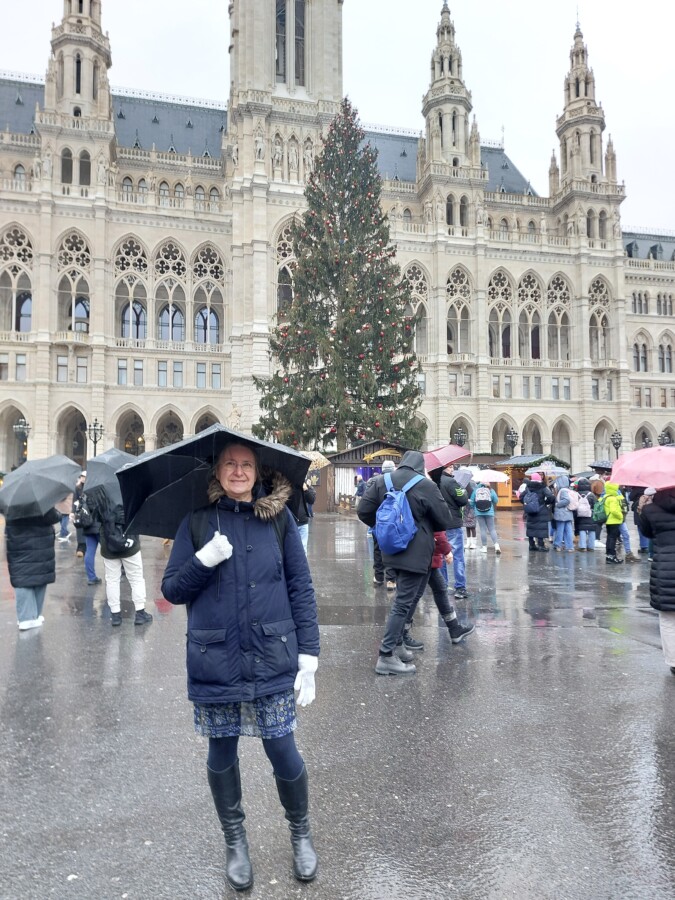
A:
<point x="144" y="250"/>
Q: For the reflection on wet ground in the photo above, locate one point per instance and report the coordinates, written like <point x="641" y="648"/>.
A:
<point x="535" y="760"/>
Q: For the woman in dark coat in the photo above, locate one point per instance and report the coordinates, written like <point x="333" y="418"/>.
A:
<point x="32" y="562"/>
<point x="252" y="637"/>
<point x="537" y="522"/>
<point x="657" y="522"/>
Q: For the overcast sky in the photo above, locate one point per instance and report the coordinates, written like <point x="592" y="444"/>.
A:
<point x="515" y="56"/>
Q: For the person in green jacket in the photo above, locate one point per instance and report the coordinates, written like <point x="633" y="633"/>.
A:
<point x="612" y="504"/>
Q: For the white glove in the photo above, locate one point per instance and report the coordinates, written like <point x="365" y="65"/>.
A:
<point x="216" y="551"/>
<point x="304" y="680"/>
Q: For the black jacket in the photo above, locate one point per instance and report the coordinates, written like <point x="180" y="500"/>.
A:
<point x="657" y="521"/>
<point x="455" y="496"/>
<point x="308" y="496"/>
<point x="536" y="526"/>
<point x="31" y="559"/>
<point x="429" y="509"/>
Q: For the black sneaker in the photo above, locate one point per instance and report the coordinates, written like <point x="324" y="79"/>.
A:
<point x="461" y="594"/>
<point x="96" y="580"/>
<point x="410" y="642"/>
<point x="116" y="618"/>
<point x="460" y="632"/>
<point x="142" y="617"/>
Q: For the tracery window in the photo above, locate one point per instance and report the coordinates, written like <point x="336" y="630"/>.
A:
<point x="170" y="259"/>
<point x="130" y="257"/>
<point x="73" y="302"/>
<point x="171" y="324"/>
<point x="285" y="266"/>
<point x="134" y="321"/>
<point x="207" y="326"/>
<point x="74" y="251"/>
<point x="458" y="328"/>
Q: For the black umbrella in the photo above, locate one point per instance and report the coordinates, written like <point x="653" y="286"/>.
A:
<point x="162" y="486"/>
<point x="34" y="488"/>
<point x="604" y="464"/>
<point x="101" y="477"/>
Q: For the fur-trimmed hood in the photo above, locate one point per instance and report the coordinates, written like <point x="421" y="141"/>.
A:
<point x="271" y="493"/>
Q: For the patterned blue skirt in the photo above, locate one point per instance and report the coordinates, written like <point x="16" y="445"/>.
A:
<point x="267" y="717"/>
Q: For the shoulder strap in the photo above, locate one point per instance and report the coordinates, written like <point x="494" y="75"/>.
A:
<point x="389" y="484"/>
<point x="199" y="526"/>
<point x="413" y="481"/>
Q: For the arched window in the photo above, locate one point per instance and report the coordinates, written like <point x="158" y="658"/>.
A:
<point x="450" y="210"/>
<point x="142" y="186"/>
<point x="20" y="174"/>
<point x="78" y="74"/>
<point x="281" y="41"/>
<point x="499" y="333"/>
<point x="503" y="228"/>
<point x="200" y="194"/>
<point x="464" y="212"/>
<point x="636" y="357"/>
<point x="529" y="333"/>
<point x="134" y="321"/>
<point x="85" y="169"/>
<point x="421" y="341"/>
<point x="94" y="82"/>
<point x="73" y="300"/>
<point x="300" y="42"/>
<point x="407" y="215"/>
<point x="179" y="192"/>
<point x="590" y="224"/>
<point x="458" y="295"/>
<point x="127" y="186"/>
<point x="66" y="166"/>
<point x="599" y="336"/>
<point x="214" y="198"/>
<point x="284" y="292"/>
<point x="669" y="359"/>
<point x="602" y="226"/>
<point x="164" y="194"/>
<point x="171" y="324"/>
<point x="207" y="327"/>
<point x="24" y="312"/>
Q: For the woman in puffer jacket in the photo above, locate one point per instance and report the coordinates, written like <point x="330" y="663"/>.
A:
<point x="657" y="522"/>
<point x="585" y="524"/>
<point x="252" y="636"/>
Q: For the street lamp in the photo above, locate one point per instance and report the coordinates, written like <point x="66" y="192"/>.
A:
<point x="95" y="432"/>
<point x="664" y="439"/>
<point x="616" y="440"/>
<point x="512" y="438"/>
<point x="460" y="436"/>
<point x="22" y="429"/>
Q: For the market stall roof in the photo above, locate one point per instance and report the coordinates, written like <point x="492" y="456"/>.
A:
<point x="371" y="453"/>
<point x="532" y="459"/>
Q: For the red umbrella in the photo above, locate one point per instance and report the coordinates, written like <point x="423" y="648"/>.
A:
<point x="444" y="456"/>
<point x="651" y="467"/>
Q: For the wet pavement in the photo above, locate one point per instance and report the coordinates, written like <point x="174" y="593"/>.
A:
<point x="536" y="760"/>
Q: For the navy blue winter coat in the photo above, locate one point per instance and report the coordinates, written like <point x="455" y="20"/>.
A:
<point x="249" y="617"/>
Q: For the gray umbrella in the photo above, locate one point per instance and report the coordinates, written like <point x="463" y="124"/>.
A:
<point x="36" y="486"/>
<point x="101" y="474"/>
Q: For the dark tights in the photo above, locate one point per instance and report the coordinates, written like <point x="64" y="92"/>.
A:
<point x="281" y="752"/>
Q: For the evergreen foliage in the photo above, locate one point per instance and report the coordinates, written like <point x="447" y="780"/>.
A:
<point x="347" y="371"/>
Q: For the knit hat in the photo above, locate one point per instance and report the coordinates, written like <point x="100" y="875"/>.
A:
<point x="649" y="492"/>
<point x="388" y="466"/>
<point x="536" y="476"/>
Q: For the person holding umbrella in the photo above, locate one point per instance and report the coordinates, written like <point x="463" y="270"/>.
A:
<point x="33" y="499"/>
<point x="240" y="568"/>
<point x="657" y="522"/>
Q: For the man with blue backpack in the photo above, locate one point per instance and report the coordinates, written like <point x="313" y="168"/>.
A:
<point x="404" y="508"/>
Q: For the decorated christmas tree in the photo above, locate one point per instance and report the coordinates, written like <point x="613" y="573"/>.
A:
<point x="346" y="370"/>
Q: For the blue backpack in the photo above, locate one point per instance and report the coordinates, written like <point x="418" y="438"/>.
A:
<point x="394" y="523"/>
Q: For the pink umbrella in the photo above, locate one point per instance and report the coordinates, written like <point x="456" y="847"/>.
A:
<point x="444" y="456"/>
<point x="651" y="467"/>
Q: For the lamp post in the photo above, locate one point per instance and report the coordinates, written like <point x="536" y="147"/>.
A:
<point x="616" y="439"/>
<point x="664" y="439"/>
<point x="22" y="429"/>
<point x="95" y="432"/>
<point x="512" y="438"/>
<point x="460" y="436"/>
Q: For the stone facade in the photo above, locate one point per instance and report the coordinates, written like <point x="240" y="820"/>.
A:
<point x="143" y="251"/>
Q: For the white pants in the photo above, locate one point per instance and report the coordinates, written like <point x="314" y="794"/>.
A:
<point x="667" y="626"/>
<point x="133" y="569"/>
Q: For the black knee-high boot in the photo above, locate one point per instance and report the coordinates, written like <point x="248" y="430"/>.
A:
<point x="294" y="796"/>
<point x="226" y="789"/>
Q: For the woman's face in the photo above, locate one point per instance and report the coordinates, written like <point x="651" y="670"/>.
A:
<point x="236" y="472"/>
